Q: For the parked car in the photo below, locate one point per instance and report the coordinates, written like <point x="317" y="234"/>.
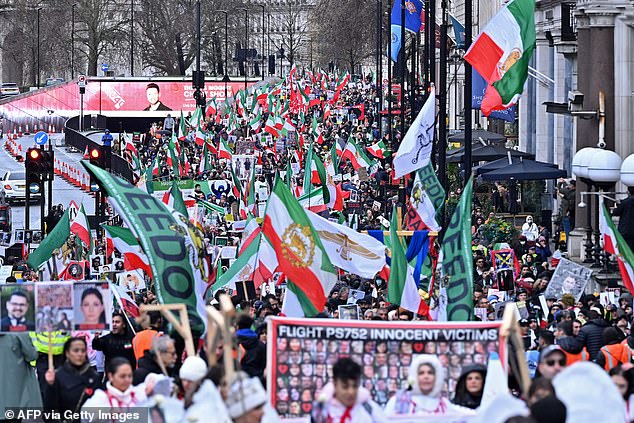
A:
<point x="53" y="81"/>
<point x="8" y="89"/>
<point x="5" y="218"/>
<point x="14" y="185"/>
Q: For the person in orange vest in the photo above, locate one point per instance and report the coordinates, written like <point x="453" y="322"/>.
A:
<point x="611" y="353"/>
<point x="569" y="343"/>
<point x="142" y="341"/>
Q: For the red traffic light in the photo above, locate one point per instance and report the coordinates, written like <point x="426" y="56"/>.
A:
<point x="95" y="153"/>
<point x="34" y="154"/>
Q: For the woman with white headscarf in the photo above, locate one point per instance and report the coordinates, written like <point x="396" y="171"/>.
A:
<point x="423" y="397"/>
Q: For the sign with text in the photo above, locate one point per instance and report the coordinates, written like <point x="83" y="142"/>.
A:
<point x="301" y="353"/>
<point x="569" y="278"/>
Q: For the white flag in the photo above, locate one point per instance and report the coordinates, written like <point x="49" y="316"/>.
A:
<point x="416" y="148"/>
<point x="348" y="249"/>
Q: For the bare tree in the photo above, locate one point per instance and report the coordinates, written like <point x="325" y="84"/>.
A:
<point x="293" y="27"/>
<point x="100" y="25"/>
<point x="342" y="39"/>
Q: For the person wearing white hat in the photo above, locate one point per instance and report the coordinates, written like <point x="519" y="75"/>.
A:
<point x="193" y="370"/>
<point x="246" y="400"/>
<point x="426" y="377"/>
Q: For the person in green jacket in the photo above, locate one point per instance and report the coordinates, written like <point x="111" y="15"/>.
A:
<point x="18" y="383"/>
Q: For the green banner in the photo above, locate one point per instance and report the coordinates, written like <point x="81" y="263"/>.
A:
<point x="457" y="261"/>
<point x="161" y="238"/>
<point x="434" y="189"/>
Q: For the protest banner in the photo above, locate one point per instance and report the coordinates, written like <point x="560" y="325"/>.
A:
<point x="569" y="278"/>
<point x="50" y="306"/>
<point x="300" y="352"/>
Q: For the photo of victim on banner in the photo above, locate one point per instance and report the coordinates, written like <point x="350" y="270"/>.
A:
<point x="569" y="278"/>
<point x="54" y="306"/>
<point x="17" y="308"/>
<point x="301" y="353"/>
<point x="92" y="306"/>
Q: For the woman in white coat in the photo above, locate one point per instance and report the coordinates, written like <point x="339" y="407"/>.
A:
<point x="426" y="379"/>
<point x="119" y="394"/>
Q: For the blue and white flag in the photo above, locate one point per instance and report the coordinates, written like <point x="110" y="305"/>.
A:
<point x="458" y="30"/>
<point x="413" y="10"/>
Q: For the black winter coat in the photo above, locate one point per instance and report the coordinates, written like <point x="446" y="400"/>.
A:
<point x="625" y="210"/>
<point x="147" y="365"/>
<point x="254" y="360"/>
<point x="115" y="346"/>
<point x="70" y="384"/>
<point x="591" y="336"/>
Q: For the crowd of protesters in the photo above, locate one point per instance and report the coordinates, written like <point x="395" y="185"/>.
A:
<point x="139" y="364"/>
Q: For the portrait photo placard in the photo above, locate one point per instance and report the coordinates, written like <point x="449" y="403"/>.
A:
<point x="54" y="305"/>
<point x="17" y="308"/>
<point x="92" y="305"/>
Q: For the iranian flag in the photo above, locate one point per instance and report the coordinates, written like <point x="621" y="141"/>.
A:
<point x="251" y="231"/>
<point x="174" y="199"/>
<point x="224" y="152"/>
<point x="356" y="155"/>
<point x="270" y="126"/>
<point x="126" y="243"/>
<point x="309" y="273"/>
<point x="80" y="227"/>
<point x="182" y="129"/>
<point x="614" y="243"/>
<point x="502" y="52"/>
<point x="172" y="158"/>
<point x="155" y="166"/>
<point x="200" y="137"/>
<point x="242" y="269"/>
<point x="256" y="122"/>
<point x="402" y="288"/>
<point x="313" y="200"/>
<point x="53" y="241"/>
<point x="379" y="150"/>
<point x="212" y="107"/>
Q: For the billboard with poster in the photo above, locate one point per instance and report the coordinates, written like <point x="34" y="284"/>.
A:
<point x="301" y="353"/>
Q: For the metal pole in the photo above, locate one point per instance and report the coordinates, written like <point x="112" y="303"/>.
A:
<point x="442" y="91"/>
<point x="468" y="10"/>
<point x="428" y="40"/>
<point x="432" y="41"/>
<point x="263" y="35"/>
<point x="51" y="176"/>
<point x="197" y="37"/>
<point x="27" y="199"/>
<point x="389" y="87"/>
<point x="72" y="42"/>
<point x="246" y="46"/>
<point x="38" y="47"/>
<point x="403" y="54"/>
<point x="380" y="70"/>
<point x="268" y="41"/>
<point x="132" y="38"/>
<point x="226" y="54"/>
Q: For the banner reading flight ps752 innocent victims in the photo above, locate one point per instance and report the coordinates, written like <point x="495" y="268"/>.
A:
<point x="301" y="353"/>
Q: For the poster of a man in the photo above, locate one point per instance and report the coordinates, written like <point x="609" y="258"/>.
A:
<point x="132" y="280"/>
<point x="18" y="304"/>
<point x="153" y="94"/>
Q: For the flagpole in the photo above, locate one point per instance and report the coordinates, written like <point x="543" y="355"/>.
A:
<point x="442" y="117"/>
<point x="432" y="41"/>
<point x="403" y="61"/>
<point x="379" y="79"/>
<point x="389" y="87"/>
<point x="428" y="33"/>
<point x="468" y="10"/>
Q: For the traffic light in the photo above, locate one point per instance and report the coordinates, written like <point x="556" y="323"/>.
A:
<point x="35" y="168"/>
<point x="97" y="157"/>
<point x="48" y="165"/>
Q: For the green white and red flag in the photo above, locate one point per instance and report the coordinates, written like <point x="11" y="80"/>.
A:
<point x="200" y="136"/>
<point x="155" y="166"/>
<point x="173" y="198"/>
<point x="224" y="152"/>
<point x="356" y="155"/>
<point x="52" y="242"/>
<point x="379" y="150"/>
<point x="126" y="243"/>
<point x="251" y="230"/>
<point x="502" y="53"/>
<point x="313" y="200"/>
<point x="402" y="288"/>
<point x="300" y="253"/>
<point x="256" y="122"/>
<point x="80" y="227"/>
<point x="212" y="107"/>
<point x="614" y="243"/>
<point x="270" y="126"/>
<point x="182" y="128"/>
<point x="172" y="158"/>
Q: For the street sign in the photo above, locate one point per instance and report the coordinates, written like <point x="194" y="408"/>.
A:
<point x="41" y="138"/>
<point x="81" y="81"/>
<point x="105" y="67"/>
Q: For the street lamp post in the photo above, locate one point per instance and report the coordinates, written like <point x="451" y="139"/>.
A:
<point x="263" y="35"/>
<point x="246" y="44"/>
<point x="72" y="41"/>
<point x="226" y="76"/>
<point x="38" y="46"/>
<point x="132" y="38"/>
